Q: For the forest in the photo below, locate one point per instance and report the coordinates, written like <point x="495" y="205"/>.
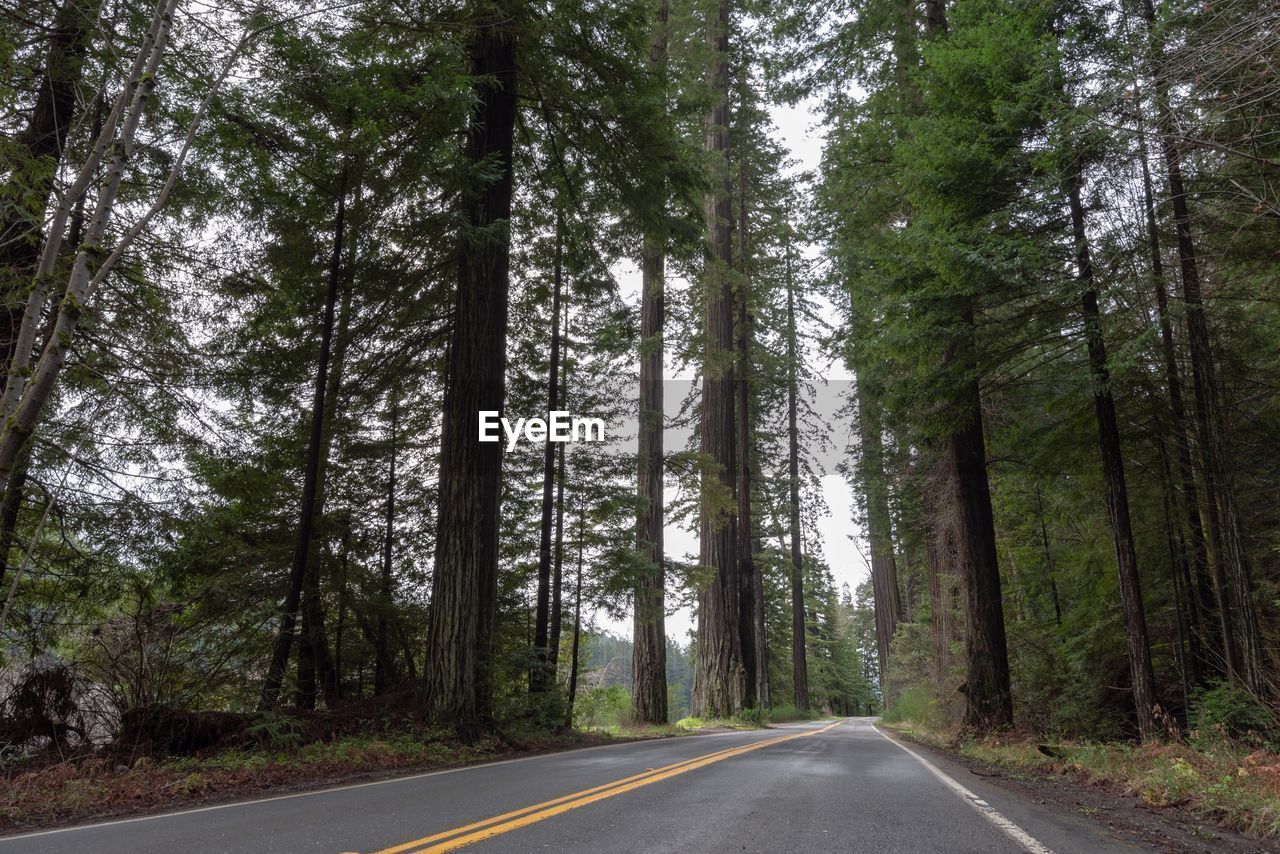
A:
<point x="266" y="265"/>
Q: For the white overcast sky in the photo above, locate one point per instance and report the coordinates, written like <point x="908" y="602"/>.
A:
<point x="842" y="543"/>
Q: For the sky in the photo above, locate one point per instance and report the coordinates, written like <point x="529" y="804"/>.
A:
<point x="842" y="541"/>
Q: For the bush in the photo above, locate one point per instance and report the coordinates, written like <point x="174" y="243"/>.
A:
<point x="915" y="704"/>
<point x="1226" y="710"/>
<point x="602" y="708"/>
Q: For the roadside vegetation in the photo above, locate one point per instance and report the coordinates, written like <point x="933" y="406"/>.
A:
<point x="1224" y="769"/>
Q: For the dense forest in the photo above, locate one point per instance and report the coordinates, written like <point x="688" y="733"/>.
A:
<point x="265" y="266"/>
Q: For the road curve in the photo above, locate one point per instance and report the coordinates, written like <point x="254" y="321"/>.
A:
<point x="839" y="786"/>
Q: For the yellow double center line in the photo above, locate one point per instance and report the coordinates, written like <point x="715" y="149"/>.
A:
<point x="450" y="840"/>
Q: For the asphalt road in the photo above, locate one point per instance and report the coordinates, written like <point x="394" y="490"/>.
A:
<point x="827" y="786"/>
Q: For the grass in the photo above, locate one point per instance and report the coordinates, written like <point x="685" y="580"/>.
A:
<point x="1220" y="781"/>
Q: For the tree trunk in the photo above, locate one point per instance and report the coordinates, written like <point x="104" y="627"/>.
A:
<point x="557" y="576"/>
<point x="719" y="681"/>
<point x="464" y="588"/>
<point x="799" y="665"/>
<point x="988" y="699"/>
<point x="577" y="624"/>
<point x="884" y="568"/>
<point x="1242" y="655"/>
<point x="311" y="468"/>
<point x="751" y="634"/>
<point x="1114" y="489"/>
<point x="1201" y="595"/>
<point x="543" y="675"/>
<point x="344" y="572"/>
<point x="384" y="662"/>
<point x="649" y="652"/>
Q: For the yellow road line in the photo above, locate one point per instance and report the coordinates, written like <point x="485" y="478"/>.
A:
<point x="648" y="772"/>
<point x="451" y="840"/>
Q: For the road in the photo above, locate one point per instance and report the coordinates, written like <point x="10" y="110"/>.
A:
<point x="826" y="786"/>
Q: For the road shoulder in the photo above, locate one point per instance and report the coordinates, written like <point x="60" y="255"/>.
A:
<point x="1057" y="810"/>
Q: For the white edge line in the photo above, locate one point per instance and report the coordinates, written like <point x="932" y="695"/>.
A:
<point x="1017" y="834"/>
<point x="393" y="779"/>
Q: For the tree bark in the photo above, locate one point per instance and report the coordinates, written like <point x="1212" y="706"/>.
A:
<point x="884" y="567"/>
<point x="988" y="698"/>
<point x="749" y="585"/>
<point x="1114" y="490"/>
<point x="344" y="572"/>
<point x="799" y="664"/>
<point x="542" y="676"/>
<point x="719" y="681"/>
<point x="459" y="663"/>
<point x="311" y="466"/>
<point x="557" y="574"/>
<point x="649" y="653"/>
<point x="649" y="641"/>
<point x="577" y="623"/>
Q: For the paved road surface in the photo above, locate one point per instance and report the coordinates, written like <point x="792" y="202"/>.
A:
<point x="828" y="786"/>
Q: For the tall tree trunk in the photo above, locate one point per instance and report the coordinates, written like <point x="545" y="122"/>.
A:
<point x="577" y="623"/>
<point x="988" y="698"/>
<point x="557" y="564"/>
<point x="542" y="677"/>
<point x="384" y="661"/>
<point x="344" y="574"/>
<point x="311" y="466"/>
<point x="884" y="567"/>
<point x="464" y="588"/>
<point x="1202" y="595"/>
<point x="1242" y="647"/>
<point x="719" y="681"/>
<point x="649" y="638"/>
<point x="1114" y="489"/>
<point x="314" y="637"/>
<point x="557" y="574"/>
<point x="799" y="664"/>
<point x="751" y="634"/>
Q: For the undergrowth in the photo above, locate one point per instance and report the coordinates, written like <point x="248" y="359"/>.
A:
<point x="1216" y="778"/>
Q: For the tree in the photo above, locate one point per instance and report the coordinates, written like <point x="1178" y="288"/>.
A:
<point x="459" y="673"/>
<point x="719" y="687"/>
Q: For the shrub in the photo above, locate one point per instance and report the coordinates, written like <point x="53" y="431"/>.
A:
<point x="602" y="708"/>
<point x="915" y="704"/>
<point x="1226" y="710"/>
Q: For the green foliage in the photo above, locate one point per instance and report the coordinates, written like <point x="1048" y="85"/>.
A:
<point x="606" y="707"/>
<point x="1224" y="709"/>
<point x="276" y="731"/>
